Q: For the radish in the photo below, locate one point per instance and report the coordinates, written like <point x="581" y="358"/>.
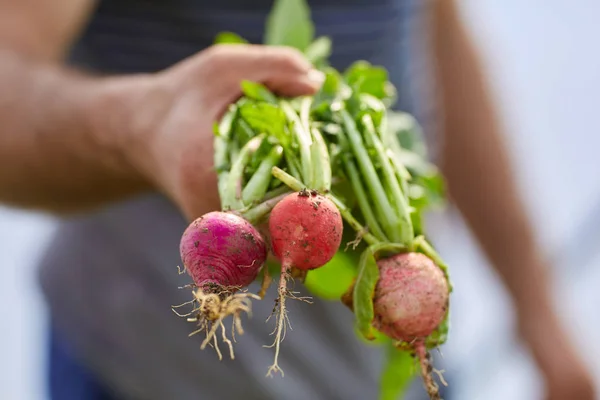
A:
<point x="223" y="253"/>
<point x="410" y="302"/>
<point x="306" y="232"/>
<point x="411" y="297"/>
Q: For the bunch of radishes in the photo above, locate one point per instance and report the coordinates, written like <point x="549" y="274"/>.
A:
<point x="307" y="167"/>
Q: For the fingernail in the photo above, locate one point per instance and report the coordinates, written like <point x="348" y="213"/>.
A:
<point x="316" y="76"/>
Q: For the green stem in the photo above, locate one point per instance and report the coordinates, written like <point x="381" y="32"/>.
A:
<point x="292" y="162"/>
<point x="420" y="243"/>
<point x="255" y="214"/>
<point x="391" y="141"/>
<point x="398" y="199"/>
<point x="246" y="128"/>
<point x="303" y="138"/>
<point x="231" y="199"/>
<point x="297" y="186"/>
<point x="321" y="163"/>
<point x="353" y="222"/>
<point x="223" y="135"/>
<point x="362" y="199"/>
<point x="401" y="172"/>
<point x="258" y="184"/>
<point x="385" y="213"/>
<point x="221" y="146"/>
<point x="276" y="192"/>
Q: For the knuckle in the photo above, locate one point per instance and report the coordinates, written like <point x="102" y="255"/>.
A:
<point x="217" y="52"/>
<point x="287" y="58"/>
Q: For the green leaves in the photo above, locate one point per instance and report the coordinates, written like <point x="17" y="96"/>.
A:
<point x="332" y="280"/>
<point x="318" y="51"/>
<point x="289" y="24"/>
<point x="266" y="118"/>
<point x="256" y="91"/>
<point x="366" y="78"/>
<point x="364" y="288"/>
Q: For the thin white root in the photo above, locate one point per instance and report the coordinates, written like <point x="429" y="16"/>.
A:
<point x="281" y="323"/>
<point x="359" y="236"/>
<point x="209" y="311"/>
<point x="226" y="340"/>
<point x="440" y="374"/>
<point x="217" y="348"/>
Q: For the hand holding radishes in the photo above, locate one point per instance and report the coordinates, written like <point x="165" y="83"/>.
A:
<point x="172" y="133"/>
<point x="173" y="148"/>
<point x="337" y="153"/>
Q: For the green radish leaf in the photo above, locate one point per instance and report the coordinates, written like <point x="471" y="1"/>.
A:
<point x="331" y="95"/>
<point x="379" y="339"/>
<point x="408" y="131"/>
<point x="440" y="335"/>
<point x="332" y="280"/>
<point x="229" y="38"/>
<point x="258" y="92"/>
<point x="289" y="24"/>
<point x="266" y="118"/>
<point x="364" y="287"/>
<point x="364" y="290"/>
<point x="397" y="373"/>
<point x="366" y="78"/>
<point x="318" y="51"/>
<point x="257" y="157"/>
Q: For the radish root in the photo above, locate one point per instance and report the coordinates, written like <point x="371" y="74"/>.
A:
<point x="282" y="322"/>
<point x="282" y="319"/>
<point x="210" y="309"/>
<point x="427" y="369"/>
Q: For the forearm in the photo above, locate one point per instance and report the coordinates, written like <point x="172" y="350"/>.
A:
<point x="479" y="176"/>
<point x="62" y="137"/>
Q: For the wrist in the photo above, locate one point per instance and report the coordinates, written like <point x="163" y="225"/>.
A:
<point x="117" y="116"/>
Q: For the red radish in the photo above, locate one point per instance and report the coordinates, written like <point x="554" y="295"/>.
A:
<point x="223" y="253"/>
<point x="306" y="232"/>
<point x="411" y="300"/>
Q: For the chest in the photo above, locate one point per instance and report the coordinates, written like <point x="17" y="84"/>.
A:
<point x="148" y="35"/>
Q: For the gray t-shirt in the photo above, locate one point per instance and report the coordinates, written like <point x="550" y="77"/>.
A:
<point x="110" y="277"/>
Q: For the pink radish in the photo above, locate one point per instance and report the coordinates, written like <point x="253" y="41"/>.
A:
<point x="223" y="253"/>
<point x="410" y="302"/>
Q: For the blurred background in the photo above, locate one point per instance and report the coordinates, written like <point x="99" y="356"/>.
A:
<point x="545" y="69"/>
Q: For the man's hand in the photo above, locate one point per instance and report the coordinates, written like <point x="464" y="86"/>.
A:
<point x="173" y="117"/>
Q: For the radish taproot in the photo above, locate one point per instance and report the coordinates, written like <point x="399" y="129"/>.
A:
<point x="306" y="232"/>
<point x="223" y="253"/>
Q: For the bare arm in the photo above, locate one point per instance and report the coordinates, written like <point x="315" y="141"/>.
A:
<point x="55" y="149"/>
<point x="70" y="141"/>
<point x="481" y="184"/>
